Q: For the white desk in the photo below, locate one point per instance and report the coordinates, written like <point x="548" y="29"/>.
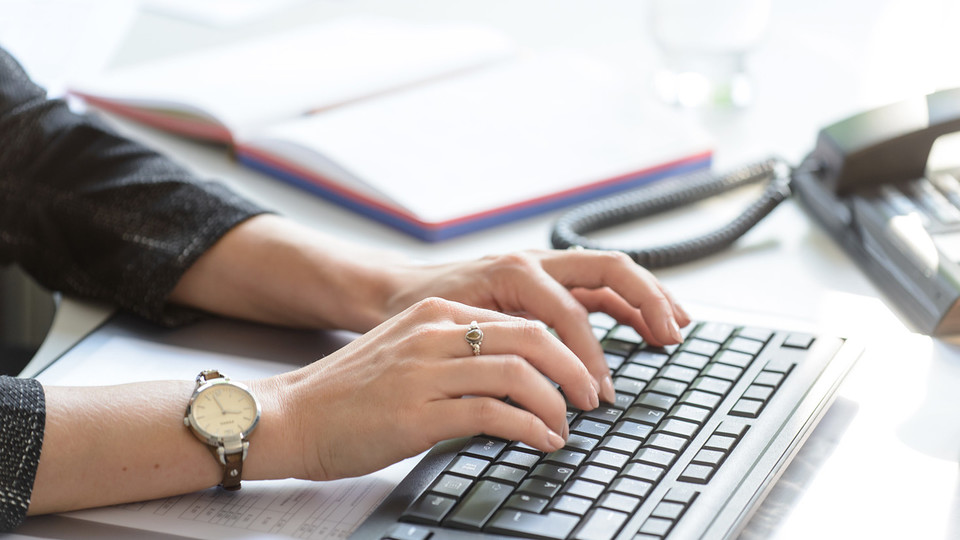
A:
<point x="884" y="463"/>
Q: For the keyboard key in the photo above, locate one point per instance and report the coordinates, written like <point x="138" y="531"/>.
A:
<point x="679" y="427"/>
<point x="656" y="526"/>
<point x="485" y="447"/>
<point x="540" y="487"/>
<point x="656" y="401"/>
<point x="505" y="473"/>
<point x="625" y="333"/>
<point x="715" y="332"/>
<point x="406" y="531"/>
<point x="679" y="373"/>
<point x="633" y="429"/>
<point x="549" y="471"/>
<point x="758" y="392"/>
<point x="552" y="526"/>
<point x="607" y="458"/>
<point x="452" y="485"/>
<point x="720" y="442"/>
<point x="591" y="428"/>
<point x="700" y="399"/>
<point x="666" y="441"/>
<point x="744" y="345"/>
<point x="429" y="508"/>
<point x="565" y="457"/>
<point x="733" y="428"/>
<point x="712" y="458"/>
<point x="712" y="385"/>
<point x="644" y="415"/>
<point x="691" y="413"/>
<point x="655" y="456"/>
<point x="699" y="346"/>
<point x="614" y="361"/>
<point x="468" y="466"/>
<point x="609" y="415"/>
<point x="723" y="371"/>
<point x="585" y="488"/>
<point x="526" y="502"/>
<point x="638" y="371"/>
<point x="650" y="358"/>
<point x="668" y="387"/>
<point x="769" y="378"/>
<point x="581" y="442"/>
<point x="479" y="505"/>
<point x="697" y="474"/>
<point x="748" y="408"/>
<point x="600" y="319"/>
<point x="601" y="524"/>
<point x="621" y="502"/>
<point x="523" y="460"/>
<point x="572" y="505"/>
<point x="669" y="510"/>
<point x="682" y="495"/>
<point x="632" y="487"/>
<point x="643" y="471"/>
<point x="615" y="346"/>
<point x="596" y="473"/>
<point x="758" y="334"/>
<point x="779" y="365"/>
<point x="629" y="386"/>
<point x="617" y="443"/>
<point x="798" y="341"/>
<point x="689" y="360"/>
<point x="734" y="358"/>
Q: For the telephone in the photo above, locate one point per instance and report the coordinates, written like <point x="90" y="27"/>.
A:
<point x="867" y="182"/>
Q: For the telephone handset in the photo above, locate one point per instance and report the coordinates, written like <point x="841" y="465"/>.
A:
<point x="866" y="182"/>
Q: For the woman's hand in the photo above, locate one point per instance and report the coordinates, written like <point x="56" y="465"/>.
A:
<point x="559" y="288"/>
<point x="413" y="382"/>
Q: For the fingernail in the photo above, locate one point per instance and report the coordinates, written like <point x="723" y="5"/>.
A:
<point x="554" y="441"/>
<point x="609" y="394"/>
<point x="566" y="431"/>
<point x="594" y="400"/>
<point x="675" y="331"/>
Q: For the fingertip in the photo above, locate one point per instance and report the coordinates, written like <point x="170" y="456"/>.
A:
<point x="675" y="330"/>
<point x="554" y="442"/>
<point x="608" y="393"/>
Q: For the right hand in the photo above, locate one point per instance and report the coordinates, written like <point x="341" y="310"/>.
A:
<point x="413" y="381"/>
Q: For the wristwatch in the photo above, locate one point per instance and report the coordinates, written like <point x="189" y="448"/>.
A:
<point x="223" y="413"/>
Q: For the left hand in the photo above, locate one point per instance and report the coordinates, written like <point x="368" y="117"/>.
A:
<point x="558" y="287"/>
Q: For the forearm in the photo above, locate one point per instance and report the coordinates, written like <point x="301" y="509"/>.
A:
<point x="116" y="444"/>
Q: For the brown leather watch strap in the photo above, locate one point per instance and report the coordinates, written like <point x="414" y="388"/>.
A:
<point x="232" y="471"/>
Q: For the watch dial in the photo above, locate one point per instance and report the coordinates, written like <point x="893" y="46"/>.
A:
<point x="223" y="410"/>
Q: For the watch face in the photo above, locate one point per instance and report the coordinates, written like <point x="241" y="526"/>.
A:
<point x="225" y="410"/>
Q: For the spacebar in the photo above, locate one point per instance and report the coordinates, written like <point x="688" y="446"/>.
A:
<point x="545" y="526"/>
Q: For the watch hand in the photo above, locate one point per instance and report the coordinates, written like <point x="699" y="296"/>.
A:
<point x="219" y="404"/>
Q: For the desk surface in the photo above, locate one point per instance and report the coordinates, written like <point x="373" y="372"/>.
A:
<point x="884" y="461"/>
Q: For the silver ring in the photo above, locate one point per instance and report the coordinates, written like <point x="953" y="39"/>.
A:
<point x="474" y="337"/>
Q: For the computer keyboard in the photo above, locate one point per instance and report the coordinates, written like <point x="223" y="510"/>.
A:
<point x="698" y="433"/>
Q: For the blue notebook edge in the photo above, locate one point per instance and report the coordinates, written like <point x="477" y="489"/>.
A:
<point x="470" y="224"/>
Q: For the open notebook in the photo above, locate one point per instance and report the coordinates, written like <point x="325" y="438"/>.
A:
<point x="437" y="130"/>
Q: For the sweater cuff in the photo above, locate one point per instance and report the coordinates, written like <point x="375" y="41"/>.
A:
<point x="23" y="414"/>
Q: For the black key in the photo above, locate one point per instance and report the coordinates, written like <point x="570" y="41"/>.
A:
<point x="650" y="358"/>
<point x="565" y="457"/>
<point x="699" y="346"/>
<point x="607" y="458"/>
<point x="609" y="415"/>
<point x="697" y="474"/>
<point x="601" y="524"/>
<point x="759" y="334"/>
<point x="506" y="473"/>
<point x="747" y="408"/>
<point x="581" y="442"/>
<point x="712" y="385"/>
<point x="690" y="360"/>
<point x="555" y="525"/>
<point x="549" y="471"/>
<point x="700" y="399"/>
<point x="523" y="460"/>
<point x="723" y="371"/>
<point x="585" y="488"/>
<point x="540" y="487"/>
<point x="629" y="386"/>
<point x="668" y="387"/>
<point x="406" y="531"/>
<point x="666" y="441"/>
<point x="479" y="505"/>
<point x="468" y="466"/>
<point x="715" y="332"/>
<point x="679" y="427"/>
<point x="485" y="447"/>
<point x="655" y="456"/>
<point x="572" y="505"/>
<point x="744" y="345"/>
<point x="429" y="508"/>
<point x="679" y="373"/>
<point x="644" y="415"/>
<point x="572" y="415"/>
<point x="614" y="361"/>
<point x="643" y="471"/>
<point x="617" y="443"/>
<point x="656" y="401"/>
<point x="633" y="429"/>
<point x="631" y="486"/>
<point x="596" y="473"/>
<point x="452" y="485"/>
<point x="691" y="413"/>
<point x="526" y="502"/>
<point x="590" y="428"/>
<point x="734" y="358"/>
<point x="638" y="371"/>
<point x="621" y="502"/>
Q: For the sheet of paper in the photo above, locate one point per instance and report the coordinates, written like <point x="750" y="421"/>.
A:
<point x="262" y="509"/>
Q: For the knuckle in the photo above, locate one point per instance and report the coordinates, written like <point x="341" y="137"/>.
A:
<point x="433" y="306"/>
<point x="488" y="412"/>
<point x="513" y="367"/>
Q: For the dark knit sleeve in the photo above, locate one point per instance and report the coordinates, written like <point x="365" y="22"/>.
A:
<point x="22" y="416"/>
<point x="88" y="212"/>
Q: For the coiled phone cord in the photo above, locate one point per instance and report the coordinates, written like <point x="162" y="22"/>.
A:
<point x="660" y="197"/>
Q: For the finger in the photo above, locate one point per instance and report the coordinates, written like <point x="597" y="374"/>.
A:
<point x="594" y="269"/>
<point x="450" y="418"/>
<point x="607" y="301"/>
<point x="504" y="376"/>
<point x="531" y="341"/>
